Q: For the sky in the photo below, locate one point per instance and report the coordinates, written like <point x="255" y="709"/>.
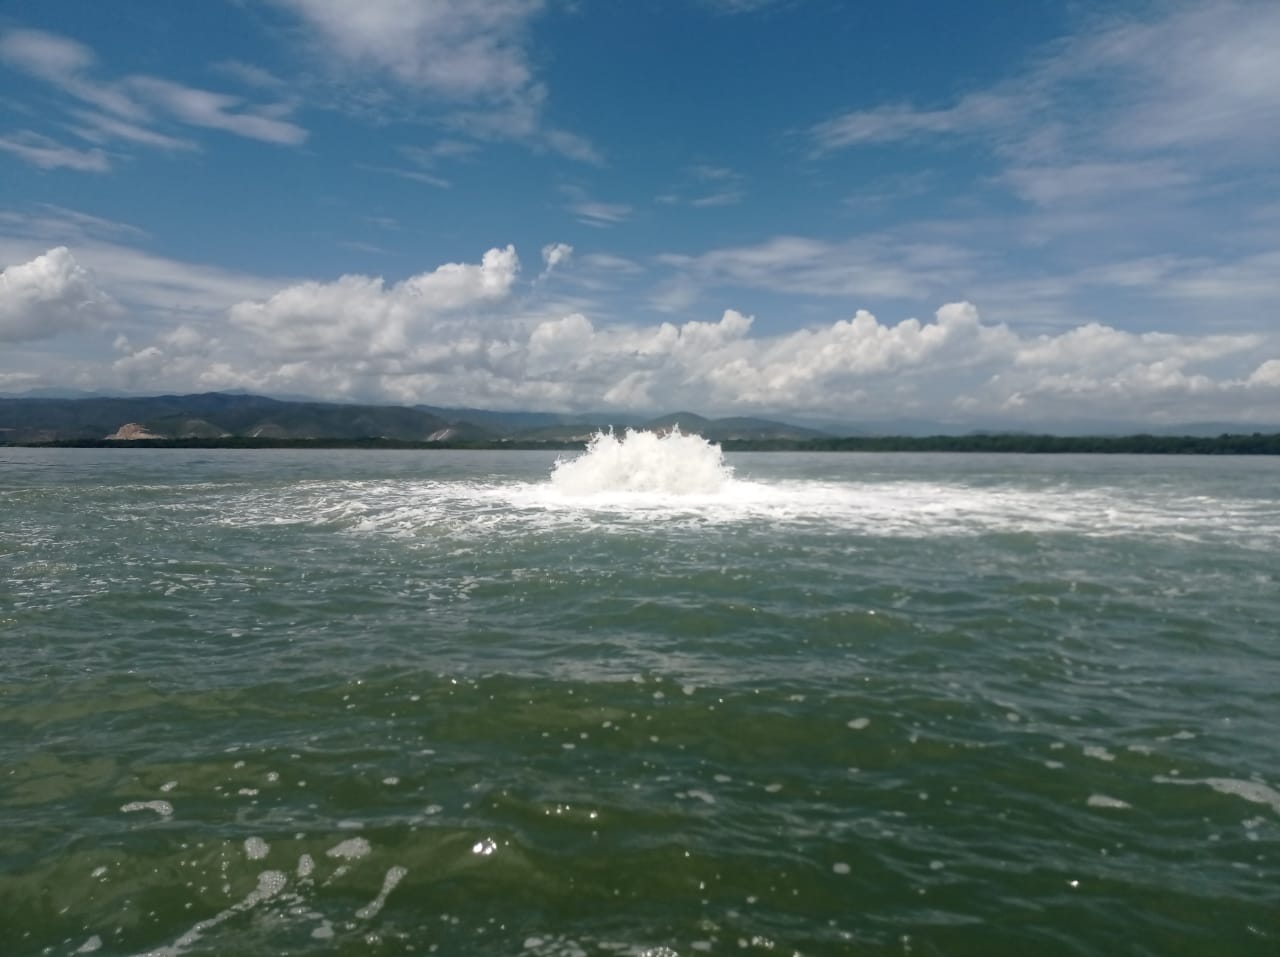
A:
<point x="1025" y="212"/>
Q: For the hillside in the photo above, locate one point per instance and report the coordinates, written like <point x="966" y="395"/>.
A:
<point x="214" y="416"/>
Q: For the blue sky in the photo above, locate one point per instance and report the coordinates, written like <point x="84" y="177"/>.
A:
<point x="1030" y="212"/>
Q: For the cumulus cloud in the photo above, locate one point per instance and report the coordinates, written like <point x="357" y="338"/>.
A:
<point x="471" y="333"/>
<point x="1266" y="375"/>
<point x="150" y="286"/>
<point x="361" y="315"/>
<point x="49" y="296"/>
<point x="480" y="344"/>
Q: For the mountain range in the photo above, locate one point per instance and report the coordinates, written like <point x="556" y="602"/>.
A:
<point x="219" y="415"/>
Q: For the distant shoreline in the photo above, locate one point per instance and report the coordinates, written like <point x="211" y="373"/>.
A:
<point x="1227" y="444"/>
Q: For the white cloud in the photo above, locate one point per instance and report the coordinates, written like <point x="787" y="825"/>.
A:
<point x="1226" y="91"/>
<point x="592" y="212"/>
<point x="50" y="57"/>
<point x="45" y="153"/>
<point x="1126" y="104"/>
<point x="870" y="268"/>
<point x="554" y="254"/>
<point x="465" y="56"/>
<point x="1047" y="185"/>
<point x="1266" y="375"/>
<point x="218" y="111"/>
<point x="154" y="288"/>
<point x="455" y="48"/>
<point x="972" y="114"/>
<point x="49" y="296"/>
<point x="361" y="316"/>
<point x="100" y="128"/>
<point x="129" y="108"/>
<point x="469" y="334"/>
<point x="725" y="185"/>
<point x="250" y="75"/>
<point x="1102" y="349"/>
<point x="360" y="334"/>
<point x="609" y="263"/>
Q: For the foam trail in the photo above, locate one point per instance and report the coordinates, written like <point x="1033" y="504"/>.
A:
<point x="270" y="883"/>
<point x="646" y="462"/>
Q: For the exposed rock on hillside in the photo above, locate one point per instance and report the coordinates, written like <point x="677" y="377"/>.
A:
<point x="131" y="431"/>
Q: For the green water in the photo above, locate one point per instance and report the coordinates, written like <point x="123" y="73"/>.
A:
<point x="276" y="702"/>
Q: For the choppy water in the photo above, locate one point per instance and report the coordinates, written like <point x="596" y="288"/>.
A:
<point x="277" y="702"/>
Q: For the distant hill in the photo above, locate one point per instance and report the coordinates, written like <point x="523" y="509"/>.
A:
<point x="241" y="419"/>
<point x="525" y="423"/>
<point x="735" y="427"/>
<point x="215" y="415"/>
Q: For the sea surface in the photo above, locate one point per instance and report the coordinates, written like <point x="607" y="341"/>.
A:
<point x="654" y="701"/>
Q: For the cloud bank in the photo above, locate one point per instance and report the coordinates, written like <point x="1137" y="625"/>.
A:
<point x="478" y="334"/>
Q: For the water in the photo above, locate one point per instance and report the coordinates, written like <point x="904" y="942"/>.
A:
<point x="646" y="703"/>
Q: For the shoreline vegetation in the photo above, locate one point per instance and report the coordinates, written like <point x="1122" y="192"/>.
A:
<point x="1226" y="444"/>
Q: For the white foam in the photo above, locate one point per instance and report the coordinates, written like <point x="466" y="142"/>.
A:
<point x="163" y="808"/>
<point x="255" y="848"/>
<point x="270" y="883"/>
<point x="633" y="479"/>
<point x="1102" y="800"/>
<point x="393" y="877"/>
<point x="351" y="849"/>
<point x="644" y="462"/>
<point x="1254" y="791"/>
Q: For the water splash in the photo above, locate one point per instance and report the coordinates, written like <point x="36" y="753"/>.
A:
<point x="647" y="462"/>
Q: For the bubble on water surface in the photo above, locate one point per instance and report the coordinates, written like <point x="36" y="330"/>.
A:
<point x="163" y="808"/>
<point x="1102" y="800"/>
<point x="351" y="849"/>
<point x="393" y="877"/>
